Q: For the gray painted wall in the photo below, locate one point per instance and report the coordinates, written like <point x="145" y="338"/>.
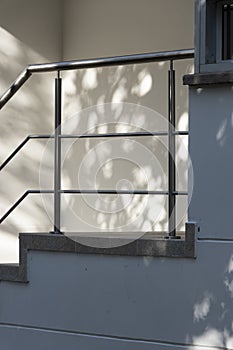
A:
<point x="12" y="336"/>
<point x="147" y="300"/>
<point x="211" y="144"/>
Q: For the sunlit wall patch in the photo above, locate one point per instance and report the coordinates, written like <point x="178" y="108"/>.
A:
<point x="115" y="174"/>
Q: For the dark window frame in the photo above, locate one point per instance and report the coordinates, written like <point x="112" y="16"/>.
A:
<point x="208" y="37"/>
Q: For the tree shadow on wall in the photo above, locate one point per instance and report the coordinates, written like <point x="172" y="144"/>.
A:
<point x="105" y="92"/>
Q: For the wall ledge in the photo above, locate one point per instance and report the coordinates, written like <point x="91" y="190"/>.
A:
<point x="47" y="242"/>
<point x="208" y="79"/>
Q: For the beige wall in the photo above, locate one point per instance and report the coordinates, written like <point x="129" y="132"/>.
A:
<point x="106" y="28"/>
<point x="38" y="24"/>
<point x="30" y="31"/>
<point x="40" y="31"/>
<point x="109" y="27"/>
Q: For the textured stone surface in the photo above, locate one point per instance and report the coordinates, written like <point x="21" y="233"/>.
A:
<point x="208" y="78"/>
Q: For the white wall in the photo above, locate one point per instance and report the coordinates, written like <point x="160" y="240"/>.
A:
<point x="30" y="32"/>
<point x="40" y="31"/>
<point x="107" y="28"/>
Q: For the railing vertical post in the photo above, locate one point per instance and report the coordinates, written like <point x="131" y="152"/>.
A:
<point x="57" y="154"/>
<point x="171" y="154"/>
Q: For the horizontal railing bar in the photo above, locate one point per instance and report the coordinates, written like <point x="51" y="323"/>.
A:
<point x="113" y="61"/>
<point x="122" y="134"/>
<point x="117" y="134"/>
<point x="121" y="192"/>
<point x="134" y="192"/>
<point x="180" y="193"/>
<point x="16" y="204"/>
<point x="40" y="191"/>
<point x="181" y="133"/>
<point x="82" y="136"/>
<point x="20" y="146"/>
<point x="41" y="136"/>
<point x="93" y="63"/>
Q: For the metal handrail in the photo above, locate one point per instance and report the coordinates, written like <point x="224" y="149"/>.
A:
<point x="93" y="63"/>
<point x="85" y="136"/>
<point x="86" y="191"/>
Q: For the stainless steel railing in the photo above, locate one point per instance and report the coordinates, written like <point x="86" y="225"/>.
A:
<point x="170" y="56"/>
